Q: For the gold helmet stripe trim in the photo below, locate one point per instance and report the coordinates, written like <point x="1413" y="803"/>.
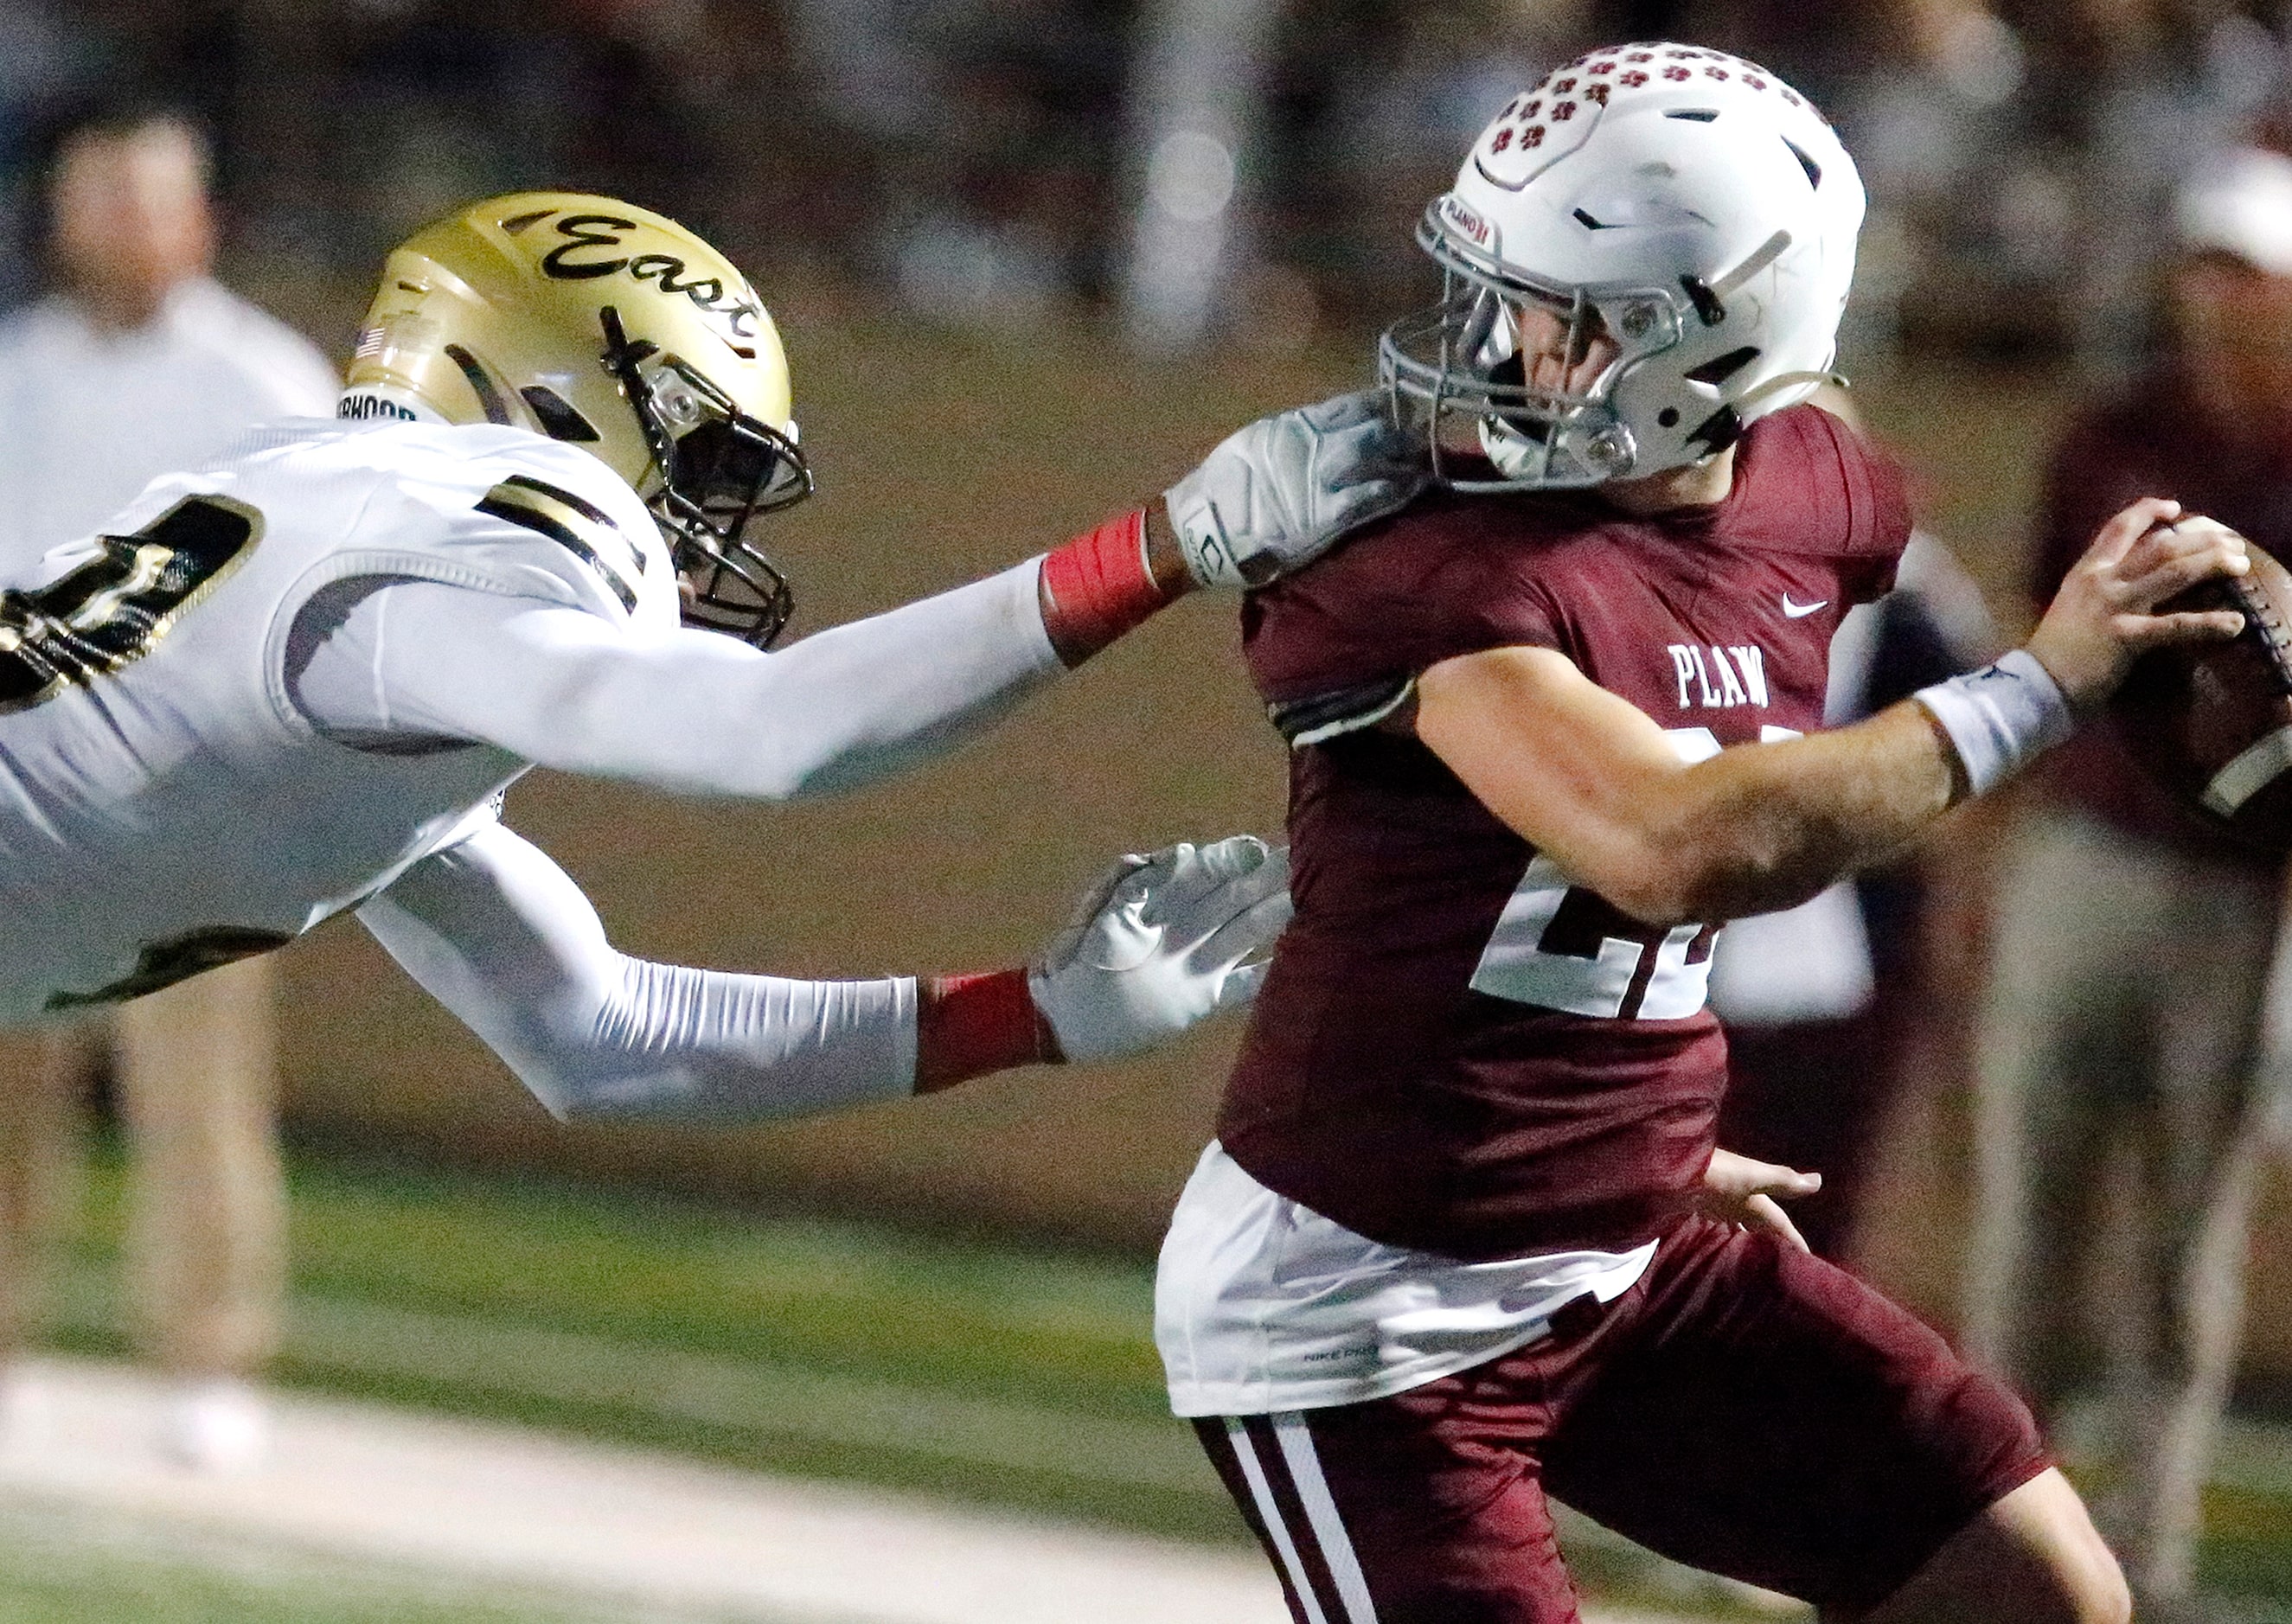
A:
<point x="565" y="519"/>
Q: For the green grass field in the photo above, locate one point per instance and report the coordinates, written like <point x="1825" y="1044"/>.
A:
<point x="988" y="1372"/>
<point x="983" y="1371"/>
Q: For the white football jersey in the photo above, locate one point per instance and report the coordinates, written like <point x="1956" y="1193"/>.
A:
<point x="164" y="807"/>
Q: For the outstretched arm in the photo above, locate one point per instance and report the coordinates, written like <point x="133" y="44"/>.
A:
<point x="500" y="936"/>
<point x="690" y="712"/>
<point x="411" y="662"/>
<point x="1591" y="781"/>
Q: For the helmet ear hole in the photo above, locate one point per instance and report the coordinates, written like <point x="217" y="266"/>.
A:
<point x="1718" y="431"/>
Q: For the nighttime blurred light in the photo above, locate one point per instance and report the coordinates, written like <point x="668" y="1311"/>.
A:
<point x="1191" y="176"/>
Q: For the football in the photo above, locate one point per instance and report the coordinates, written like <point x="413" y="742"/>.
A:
<point x="2212" y="721"/>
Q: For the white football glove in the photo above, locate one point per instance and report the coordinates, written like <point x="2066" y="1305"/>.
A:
<point x="1278" y="493"/>
<point x="1162" y="943"/>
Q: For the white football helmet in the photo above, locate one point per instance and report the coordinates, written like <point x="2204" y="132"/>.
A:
<point x="1688" y="206"/>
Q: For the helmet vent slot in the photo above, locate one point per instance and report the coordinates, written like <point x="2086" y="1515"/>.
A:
<point x="519" y="222"/>
<point x="1717" y="372"/>
<point x="557" y="415"/>
<point x="1813" y="170"/>
<point x="1695" y="115"/>
<point x="1708" y="306"/>
<point x="745" y="352"/>
<point x="1718" y="431"/>
<point x="497" y="409"/>
<point x="1584" y="218"/>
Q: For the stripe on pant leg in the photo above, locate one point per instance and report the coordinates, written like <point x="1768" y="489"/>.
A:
<point x="1304" y="1463"/>
<point x="1277" y="1527"/>
<point x="1310" y="1560"/>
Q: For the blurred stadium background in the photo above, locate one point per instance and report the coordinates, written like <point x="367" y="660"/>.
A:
<point x="1030" y="257"/>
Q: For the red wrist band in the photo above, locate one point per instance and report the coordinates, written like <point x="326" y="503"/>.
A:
<point x="968" y="1025"/>
<point x="1098" y="586"/>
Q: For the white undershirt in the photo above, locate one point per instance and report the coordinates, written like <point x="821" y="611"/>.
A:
<point x="1261" y="1305"/>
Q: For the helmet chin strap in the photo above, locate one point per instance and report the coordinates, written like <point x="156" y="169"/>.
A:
<point x="1782" y="381"/>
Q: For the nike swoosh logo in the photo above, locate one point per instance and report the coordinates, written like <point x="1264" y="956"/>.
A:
<point x="1800" y="611"/>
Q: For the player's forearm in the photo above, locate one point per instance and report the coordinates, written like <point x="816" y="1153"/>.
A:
<point x="1765" y="827"/>
<point x="875" y="698"/>
<point x="670" y="1042"/>
<point x="868" y="701"/>
<point x="498" y="934"/>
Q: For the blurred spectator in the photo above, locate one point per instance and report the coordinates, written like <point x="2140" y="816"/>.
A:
<point x="137" y="364"/>
<point x="976" y="147"/>
<point x="1372" y="114"/>
<point x="2133" y="945"/>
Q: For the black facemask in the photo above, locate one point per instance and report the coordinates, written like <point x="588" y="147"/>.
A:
<point x="716" y="479"/>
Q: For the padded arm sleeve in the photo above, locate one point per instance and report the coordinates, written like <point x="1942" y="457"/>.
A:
<point x="504" y="938"/>
<point x="691" y="712"/>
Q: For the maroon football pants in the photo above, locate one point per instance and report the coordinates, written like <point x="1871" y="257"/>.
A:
<point x="1745" y="1409"/>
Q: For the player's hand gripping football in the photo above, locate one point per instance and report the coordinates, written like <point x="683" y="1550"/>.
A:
<point x="1161" y="943"/>
<point x="1744" y="1192"/>
<point x="1278" y="493"/>
<point x="2102" y="618"/>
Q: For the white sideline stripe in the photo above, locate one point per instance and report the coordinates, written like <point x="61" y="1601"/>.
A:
<point x="1254" y="1469"/>
<point x="645" y="1534"/>
<point x="2250" y="773"/>
<point x="1296" y="1441"/>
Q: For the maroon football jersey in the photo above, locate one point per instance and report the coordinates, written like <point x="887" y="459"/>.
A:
<point x="1455" y="1049"/>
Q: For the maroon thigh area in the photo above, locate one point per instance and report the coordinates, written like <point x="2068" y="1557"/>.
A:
<point x="1745" y="1409"/>
<point x="1772" y="1418"/>
<point x="1438" y="1512"/>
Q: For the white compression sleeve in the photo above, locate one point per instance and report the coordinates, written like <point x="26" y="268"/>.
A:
<point x="504" y="938"/>
<point x="693" y="712"/>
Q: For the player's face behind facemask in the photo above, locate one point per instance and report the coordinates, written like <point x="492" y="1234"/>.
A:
<point x="1523" y="378"/>
<point x="1682" y="218"/>
<point x="613" y="328"/>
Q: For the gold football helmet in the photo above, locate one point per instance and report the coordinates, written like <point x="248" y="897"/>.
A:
<point x="615" y="329"/>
